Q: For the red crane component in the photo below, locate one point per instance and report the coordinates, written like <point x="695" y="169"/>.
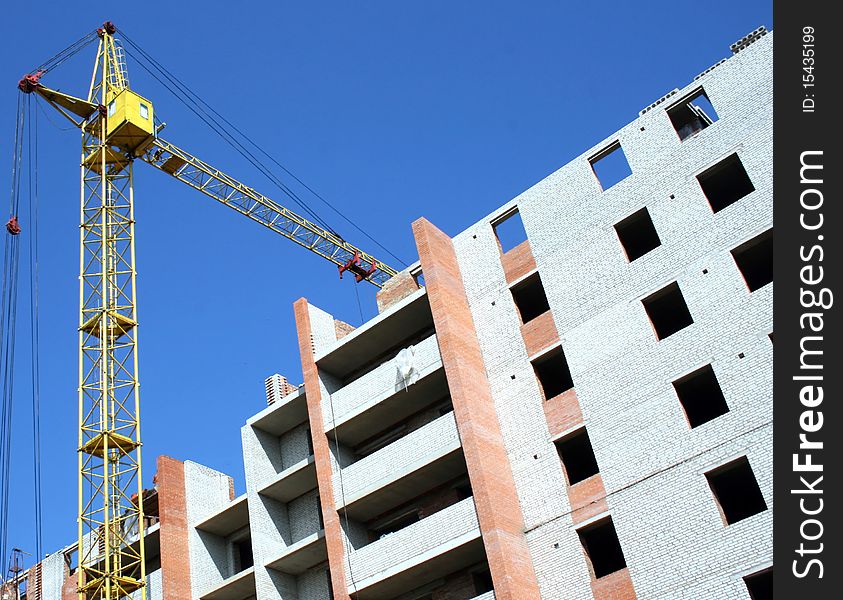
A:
<point x="12" y="225"/>
<point x="28" y="83"/>
<point x="359" y="272"/>
<point x="107" y="27"/>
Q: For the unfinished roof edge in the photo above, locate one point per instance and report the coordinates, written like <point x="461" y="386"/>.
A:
<point x="371" y="323"/>
<point x="280" y="405"/>
<point x="509" y="206"/>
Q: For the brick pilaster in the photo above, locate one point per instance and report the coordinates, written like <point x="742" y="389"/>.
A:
<point x="498" y="509"/>
<point x="321" y="454"/>
<point x="172" y="511"/>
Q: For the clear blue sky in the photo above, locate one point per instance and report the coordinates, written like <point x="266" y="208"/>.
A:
<point x="391" y="110"/>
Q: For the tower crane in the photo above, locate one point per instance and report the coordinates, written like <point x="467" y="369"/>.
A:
<point x="118" y="130"/>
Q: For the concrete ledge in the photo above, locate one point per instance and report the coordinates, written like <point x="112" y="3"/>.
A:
<point x="282" y="416"/>
<point x="301" y="556"/>
<point x="231" y="518"/>
<point x="237" y="587"/>
<point x="292" y="482"/>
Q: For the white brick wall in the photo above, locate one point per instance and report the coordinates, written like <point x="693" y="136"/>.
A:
<point x="647" y="453"/>
<point x="206" y="492"/>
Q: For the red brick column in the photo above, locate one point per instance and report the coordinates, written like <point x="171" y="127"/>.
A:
<point x="498" y="510"/>
<point x="321" y="454"/>
<point x="172" y="511"/>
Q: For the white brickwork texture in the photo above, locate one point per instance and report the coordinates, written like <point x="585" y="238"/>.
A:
<point x="650" y="460"/>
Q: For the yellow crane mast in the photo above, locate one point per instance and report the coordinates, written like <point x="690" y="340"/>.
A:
<point x="118" y="127"/>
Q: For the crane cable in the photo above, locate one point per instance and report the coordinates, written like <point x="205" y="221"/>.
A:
<point x="203" y="115"/>
<point x="8" y="319"/>
<point x="34" y="327"/>
<point x="216" y="117"/>
<point x="25" y="144"/>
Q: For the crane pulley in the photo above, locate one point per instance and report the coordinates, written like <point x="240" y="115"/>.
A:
<point x="118" y="128"/>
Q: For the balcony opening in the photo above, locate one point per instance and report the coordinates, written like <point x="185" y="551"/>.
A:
<point x="725" y="183"/>
<point x="667" y="310"/>
<point x="482" y="582"/>
<point x="510" y="231"/>
<point x="736" y="491"/>
<point x="530" y="298"/>
<point x="637" y="234"/>
<point x="760" y="584"/>
<point x="602" y="548"/>
<point x="395" y="522"/>
<point x="610" y="166"/>
<point x="692" y="114"/>
<point x="553" y="373"/>
<point x="577" y="456"/>
<point x="242" y="553"/>
<point x="755" y="260"/>
<point x="700" y="396"/>
<point x="408" y="425"/>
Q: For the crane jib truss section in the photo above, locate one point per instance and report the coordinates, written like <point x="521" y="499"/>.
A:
<point x="245" y="200"/>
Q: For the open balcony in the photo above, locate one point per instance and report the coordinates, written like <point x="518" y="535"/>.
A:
<point x="302" y="555"/>
<point x="377" y="339"/>
<point x="401" y="471"/>
<point x="432" y="548"/>
<point x="383" y="385"/>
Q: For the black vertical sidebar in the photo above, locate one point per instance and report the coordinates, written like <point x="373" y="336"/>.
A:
<point x="808" y="366"/>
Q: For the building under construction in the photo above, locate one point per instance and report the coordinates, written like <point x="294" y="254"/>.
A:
<point x="570" y="399"/>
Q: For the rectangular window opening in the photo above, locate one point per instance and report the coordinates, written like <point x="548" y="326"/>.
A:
<point x="760" y="584"/>
<point x="637" y="234"/>
<point x="725" y="183"/>
<point x="577" y="456"/>
<point x="736" y="491"/>
<point x="510" y="231"/>
<point x="755" y="260"/>
<point x="602" y="548"/>
<point x="700" y="396"/>
<point x="144" y="111"/>
<point x="668" y="311"/>
<point x="530" y="298"/>
<point x="553" y="373"/>
<point x="610" y="166"/>
<point x="692" y="114"/>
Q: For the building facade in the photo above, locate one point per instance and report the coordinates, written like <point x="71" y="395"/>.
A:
<point x="570" y="399"/>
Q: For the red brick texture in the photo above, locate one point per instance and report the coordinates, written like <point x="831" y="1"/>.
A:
<point x="396" y="289"/>
<point x="517" y="262"/>
<point x="615" y="586"/>
<point x="562" y="412"/>
<point x="172" y="509"/>
<point x="68" y="588"/>
<point x="322" y="454"/>
<point x="342" y="329"/>
<point x="498" y="510"/>
<point x="587" y="498"/>
<point x="540" y="333"/>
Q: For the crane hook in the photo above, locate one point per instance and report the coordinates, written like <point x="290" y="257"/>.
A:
<point x="12" y="225"/>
